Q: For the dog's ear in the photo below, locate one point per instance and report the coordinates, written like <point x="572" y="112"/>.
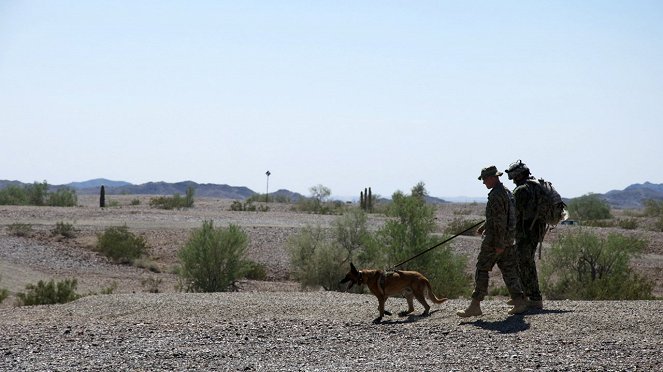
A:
<point x="353" y="269"/>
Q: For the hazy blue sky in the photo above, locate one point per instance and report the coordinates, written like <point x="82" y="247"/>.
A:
<point x="347" y="94"/>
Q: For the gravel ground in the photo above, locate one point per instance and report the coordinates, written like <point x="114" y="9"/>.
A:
<point x="271" y="325"/>
<point x="309" y="331"/>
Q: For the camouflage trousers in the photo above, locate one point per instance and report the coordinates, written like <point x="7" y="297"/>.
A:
<point x="507" y="262"/>
<point x="526" y="250"/>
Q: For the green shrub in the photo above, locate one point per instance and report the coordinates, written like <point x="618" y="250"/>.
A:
<point x="272" y="198"/>
<point x="248" y="206"/>
<point x="410" y="233"/>
<point x="499" y="291"/>
<point x="147" y="264"/>
<point x="121" y="245"/>
<point x="13" y="195"/>
<point x="34" y="194"/>
<point x="135" y="202"/>
<point x="628" y="224"/>
<point x="64" y="197"/>
<point x="319" y="202"/>
<point x="152" y="284"/>
<point x="37" y="193"/>
<point x="49" y="293"/>
<point x="256" y="271"/>
<point x="459" y="225"/>
<point x="589" y="207"/>
<point x="316" y="260"/>
<point x="166" y="202"/>
<point x="174" y="202"/>
<point x="20" y="229"/>
<point x="658" y="225"/>
<point x="584" y="266"/>
<point x="213" y="258"/>
<point x="653" y="208"/>
<point x="4" y="293"/>
<point x="321" y="258"/>
<point x="600" y="223"/>
<point x="64" y="229"/>
<point x="110" y="289"/>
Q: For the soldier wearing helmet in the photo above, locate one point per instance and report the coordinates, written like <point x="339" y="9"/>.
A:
<point x="529" y="230"/>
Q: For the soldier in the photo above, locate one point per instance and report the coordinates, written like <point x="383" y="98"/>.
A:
<point x="496" y="246"/>
<point x="529" y="230"/>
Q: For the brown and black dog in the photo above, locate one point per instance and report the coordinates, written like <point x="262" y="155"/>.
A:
<point x="410" y="284"/>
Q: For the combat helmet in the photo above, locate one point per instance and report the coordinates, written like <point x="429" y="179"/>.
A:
<point x="517" y="169"/>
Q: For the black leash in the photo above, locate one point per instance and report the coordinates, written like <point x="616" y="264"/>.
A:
<point x="437" y="245"/>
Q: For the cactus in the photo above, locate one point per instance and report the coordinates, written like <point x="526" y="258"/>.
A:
<point x="369" y="204"/>
<point x="102" y="197"/>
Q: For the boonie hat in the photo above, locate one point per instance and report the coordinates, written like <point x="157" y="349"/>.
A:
<point x="489" y="171"/>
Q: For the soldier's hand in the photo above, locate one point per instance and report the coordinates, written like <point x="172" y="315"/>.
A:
<point x="481" y="229"/>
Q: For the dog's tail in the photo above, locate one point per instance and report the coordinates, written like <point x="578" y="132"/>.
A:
<point x="432" y="296"/>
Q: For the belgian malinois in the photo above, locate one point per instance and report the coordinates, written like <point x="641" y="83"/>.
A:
<point x="410" y="284"/>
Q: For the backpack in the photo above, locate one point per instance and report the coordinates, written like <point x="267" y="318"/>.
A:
<point x="550" y="208"/>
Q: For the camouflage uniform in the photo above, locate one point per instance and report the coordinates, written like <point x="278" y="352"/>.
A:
<point x="498" y="233"/>
<point x="529" y="232"/>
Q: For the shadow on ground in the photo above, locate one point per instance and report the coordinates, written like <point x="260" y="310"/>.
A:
<point x="408" y="319"/>
<point x="512" y="324"/>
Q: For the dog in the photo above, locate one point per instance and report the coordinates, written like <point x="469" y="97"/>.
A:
<point x="410" y="284"/>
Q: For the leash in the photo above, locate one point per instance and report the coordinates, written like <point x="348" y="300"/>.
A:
<point x="437" y="245"/>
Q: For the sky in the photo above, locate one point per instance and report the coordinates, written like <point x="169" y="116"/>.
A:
<point x="344" y="94"/>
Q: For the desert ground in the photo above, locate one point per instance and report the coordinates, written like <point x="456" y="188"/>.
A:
<point x="272" y="324"/>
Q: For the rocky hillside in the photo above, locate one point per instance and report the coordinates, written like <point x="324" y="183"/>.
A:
<point x="634" y="195"/>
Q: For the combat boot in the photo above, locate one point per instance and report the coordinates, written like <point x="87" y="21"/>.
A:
<point x="536" y="304"/>
<point x="520" y="305"/>
<point x="473" y="310"/>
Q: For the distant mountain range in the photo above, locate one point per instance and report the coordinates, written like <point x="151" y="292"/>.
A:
<point x="631" y="197"/>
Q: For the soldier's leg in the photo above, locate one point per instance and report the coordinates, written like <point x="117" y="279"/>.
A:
<point x="527" y="267"/>
<point x="485" y="263"/>
<point x="508" y="264"/>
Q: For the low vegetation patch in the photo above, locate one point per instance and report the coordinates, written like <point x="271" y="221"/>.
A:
<point x="320" y="257"/>
<point x="213" y="259"/>
<point x="589" y="208"/>
<point x="38" y="194"/>
<point x="584" y="266"/>
<point x="64" y="229"/>
<point x="247" y="206"/>
<point x="174" y="202"/>
<point x="48" y="293"/>
<point x="459" y="225"/>
<point x="4" y="293"/>
<point x="20" y="229"/>
<point x="121" y="245"/>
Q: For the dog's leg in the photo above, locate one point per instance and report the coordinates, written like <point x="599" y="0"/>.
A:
<point x="410" y="304"/>
<point x="381" y="310"/>
<point x="422" y="300"/>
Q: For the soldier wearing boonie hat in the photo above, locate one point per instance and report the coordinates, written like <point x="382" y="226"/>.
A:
<point x="497" y="246"/>
<point x="489" y="171"/>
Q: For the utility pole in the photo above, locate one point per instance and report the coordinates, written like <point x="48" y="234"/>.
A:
<point x="267" y="194"/>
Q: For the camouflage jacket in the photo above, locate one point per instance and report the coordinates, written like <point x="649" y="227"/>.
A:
<point x="500" y="225"/>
